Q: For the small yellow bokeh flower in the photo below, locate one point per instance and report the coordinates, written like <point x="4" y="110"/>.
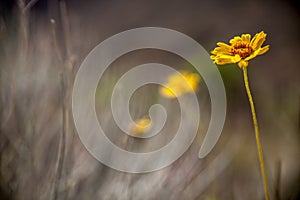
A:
<point x="240" y="50"/>
<point x="179" y="84"/>
<point x="140" y="126"/>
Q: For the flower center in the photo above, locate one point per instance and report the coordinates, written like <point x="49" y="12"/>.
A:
<point x="243" y="49"/>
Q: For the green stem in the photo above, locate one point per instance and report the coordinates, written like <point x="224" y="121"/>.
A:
<point x="259" y="149"/>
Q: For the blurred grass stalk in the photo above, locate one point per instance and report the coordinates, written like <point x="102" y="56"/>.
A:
<point x="65" y="66"/>
<point x="62" y="143"/>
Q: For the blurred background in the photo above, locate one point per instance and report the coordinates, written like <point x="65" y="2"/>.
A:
<point x="42" y="44"/>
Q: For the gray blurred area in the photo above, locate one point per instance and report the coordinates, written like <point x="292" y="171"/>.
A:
<point x="42" y="156"/>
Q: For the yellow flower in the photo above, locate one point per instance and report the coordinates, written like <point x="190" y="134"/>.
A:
<point x="179" y="84"/>
<point x="240" y="50"/>
<point x="140" y="126"/>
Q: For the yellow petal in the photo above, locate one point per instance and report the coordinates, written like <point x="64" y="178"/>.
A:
<point x="225" y="59"/>
<point x="258" y="40"/>
<point x="253" y="55"/>
<point x="263" y="50"/>
<point x="140" y="126"/>
<point x="221" y="50"/>
<point x="246" y="37"/>
<point x="224" y="45"/>
<point x="193" y="80"/>
<point x="236" y="58"/>
<point x="169" y="92"/>
<point x="213" y="57"/>
<point x="179" y="84"/>
<point x="243" y="63"/>
<point x="235" y="40"/>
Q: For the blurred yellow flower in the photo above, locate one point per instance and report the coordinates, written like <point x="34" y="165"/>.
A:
<point x="179" y="84"/>
<point x="240" y="50"/>
<point x="140" y="126"/>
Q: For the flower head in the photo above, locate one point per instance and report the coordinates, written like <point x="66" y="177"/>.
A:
<point x="140" y="126"/>
<point x="179" y="84"/>
<point x="240" y="50"/>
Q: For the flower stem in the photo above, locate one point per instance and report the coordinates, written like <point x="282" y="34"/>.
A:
<point x="259" y="149"/>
